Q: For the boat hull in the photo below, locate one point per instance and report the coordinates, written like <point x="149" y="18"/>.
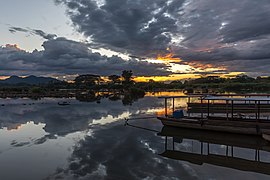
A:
<point x="266" y="137"/>
<point x="240" y="127"/>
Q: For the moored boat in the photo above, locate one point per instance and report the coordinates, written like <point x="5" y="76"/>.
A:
<point x="203" y="149"/>
<point x="64" y="103"/>
<point x="266" y="137"/>
<point x="232" y="119"/>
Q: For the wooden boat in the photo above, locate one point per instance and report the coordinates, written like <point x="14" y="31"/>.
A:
<point x="219" y="160"/>
<point x="63" y="103"/>
<point x="266" y="137"/>
<point x="206" y="144"/>
<point x="214" y="137"/>
<point x="230" y="122"/>
<point x="208" y="139"/>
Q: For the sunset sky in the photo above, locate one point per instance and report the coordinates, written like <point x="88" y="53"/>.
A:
<point x="168" y="39"/>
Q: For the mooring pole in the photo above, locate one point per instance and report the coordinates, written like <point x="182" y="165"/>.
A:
<point x="227" y="113"/>
<point x="166" y="139"/>
<point x="166" y="113"/>
<point x="201" y="108"/>
<point x="259" y="102"/>
<point x="232" y="110"/>
<point x="173" y="104"/>
<point x="208" y="108"/>
<point x="256" y="110"/>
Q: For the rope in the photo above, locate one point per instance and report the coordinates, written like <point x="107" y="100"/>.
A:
<point x="143" y="128"/>
<point x="142" y="118"/>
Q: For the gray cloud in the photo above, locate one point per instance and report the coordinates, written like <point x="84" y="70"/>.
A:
<point x="62" y="56"/>
<point x="138" y="27"/>
<point x="30" y="31"/>
<point x="233" y="34"/>
<point x="213" y="32"/>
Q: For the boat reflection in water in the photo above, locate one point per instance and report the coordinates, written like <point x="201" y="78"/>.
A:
<point x="207" y="143"/>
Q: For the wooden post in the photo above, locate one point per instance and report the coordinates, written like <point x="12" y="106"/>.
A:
<point x="201" y="147"/>
<point x="232" y="110"/>
<point x="173" y="105"/>
<point x="208" y="108"/>
<point x="256" y="111"/>
<point x="166" y="113"/>
<point x="166" y="139"/>
<point x="259" y="102"/>
<point x="201" y="108"/>
<point x="256" y="154"/>
<point x="227" y="113"/>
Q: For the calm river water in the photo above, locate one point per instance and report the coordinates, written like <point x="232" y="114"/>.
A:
<point x="40" y="139"/>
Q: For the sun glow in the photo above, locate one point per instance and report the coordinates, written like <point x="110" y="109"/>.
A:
<point x="168" y="57"/>
<point x="181" y="77"/>
<point x="165" y="78"/>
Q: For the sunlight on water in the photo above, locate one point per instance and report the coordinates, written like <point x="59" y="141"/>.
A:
<point x="109" y="119"/>
<point x="168" y="93"/>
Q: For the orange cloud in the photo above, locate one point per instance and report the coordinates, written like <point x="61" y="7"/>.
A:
<point x="168" y="57"/>
<point x="207" y="66"/>
<point x="13" y="46"/>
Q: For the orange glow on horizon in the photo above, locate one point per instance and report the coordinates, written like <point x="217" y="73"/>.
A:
<point x="164" y="78"/>
<point x="168" y="57"/>
<point x="207" y="66"/>
<point x="4" y="77"/>
<point x="179" y="77"/>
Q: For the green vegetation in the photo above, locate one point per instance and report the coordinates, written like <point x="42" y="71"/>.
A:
<point x="239" y="84"/>
<point x="90" y="87"/>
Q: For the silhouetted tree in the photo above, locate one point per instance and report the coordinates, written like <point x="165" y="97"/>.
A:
<point x="87" y="80"/>
<point x="127" y="75"/>
<point x="114" y="79"/>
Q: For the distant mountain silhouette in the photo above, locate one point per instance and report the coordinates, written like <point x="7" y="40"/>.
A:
<point x="32" y="80"/>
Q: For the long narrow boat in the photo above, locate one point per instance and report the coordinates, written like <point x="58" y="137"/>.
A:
<point x="206" y="141"/>
<point x="232" y="120"/>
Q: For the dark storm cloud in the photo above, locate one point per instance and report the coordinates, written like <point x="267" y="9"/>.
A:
<point x="206" y="31"/>
<point x="138" y="27"/>
<point x="62" y="56"/>
<point x="37" y="32"/>
<point x="233" y="34"/>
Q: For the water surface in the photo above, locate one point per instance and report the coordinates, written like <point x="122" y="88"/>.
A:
<point x="88" y="140"/>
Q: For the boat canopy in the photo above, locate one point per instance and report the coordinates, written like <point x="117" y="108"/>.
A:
<point x="236" y="99"/>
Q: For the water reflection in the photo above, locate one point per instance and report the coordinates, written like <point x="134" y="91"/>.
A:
<point x="41" y="135"/>
<point x="88" y="140"/>
<point x="118" y="152"/>
<point x="241" y="152"/>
